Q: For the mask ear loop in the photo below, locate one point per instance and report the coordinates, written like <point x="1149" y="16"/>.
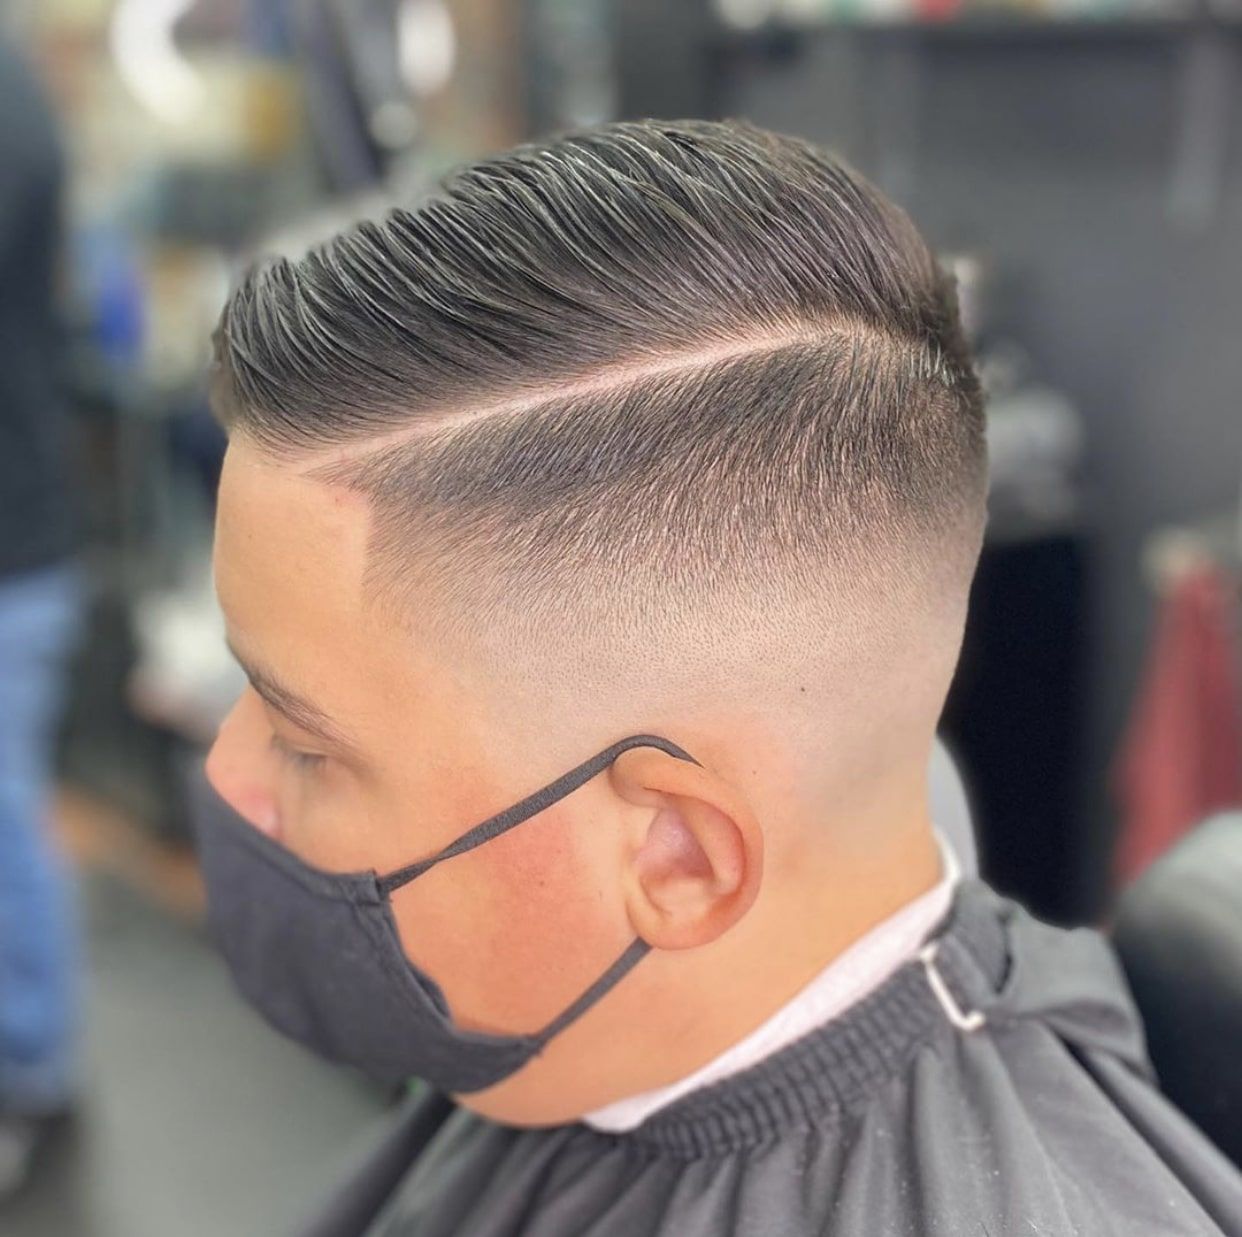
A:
<point x="633" y="955"/>
<point x="532" y="805"/>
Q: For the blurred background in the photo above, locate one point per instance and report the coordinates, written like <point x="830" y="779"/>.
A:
<point x="1078" y="164"/>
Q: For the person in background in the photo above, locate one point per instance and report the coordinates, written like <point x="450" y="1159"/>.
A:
<point x="39" y="607"/>
<point x="625" y="498"/>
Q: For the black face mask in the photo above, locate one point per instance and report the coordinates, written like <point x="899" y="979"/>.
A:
<point x="319" y="955"/>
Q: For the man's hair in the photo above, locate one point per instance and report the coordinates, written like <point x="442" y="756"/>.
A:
<point x="625" y="374"/>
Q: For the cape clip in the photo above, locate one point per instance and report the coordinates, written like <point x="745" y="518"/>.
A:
<point x="967" y="1022"/>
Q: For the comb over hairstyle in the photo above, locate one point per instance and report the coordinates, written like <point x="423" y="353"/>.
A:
<point x="628" y="377"/>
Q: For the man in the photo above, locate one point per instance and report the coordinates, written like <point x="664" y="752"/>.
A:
<point x="38" y="618"/>
<point x="625" y="499"/>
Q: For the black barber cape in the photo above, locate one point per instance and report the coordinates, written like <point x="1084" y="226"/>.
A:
<point x="892" y="1120"/>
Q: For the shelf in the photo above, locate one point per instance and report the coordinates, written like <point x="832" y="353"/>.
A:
<point x="984" y="27"/>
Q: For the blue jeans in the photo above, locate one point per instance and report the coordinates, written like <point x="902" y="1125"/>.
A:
<point x="39" y="618"/>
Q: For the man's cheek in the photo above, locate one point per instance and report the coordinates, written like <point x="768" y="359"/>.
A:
<point x="544" y="879"/>
<point x="511" y="931"/>
<point x="554" y="931"/>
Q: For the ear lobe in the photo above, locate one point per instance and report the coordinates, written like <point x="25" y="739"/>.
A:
<point x="697" y="868"/>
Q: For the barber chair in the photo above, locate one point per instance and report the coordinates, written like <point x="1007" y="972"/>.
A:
<point x="1178" y="931"/>
<point x="950" y="809"/>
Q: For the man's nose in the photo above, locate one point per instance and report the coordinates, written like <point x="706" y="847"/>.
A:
<point x="238" y="768"/>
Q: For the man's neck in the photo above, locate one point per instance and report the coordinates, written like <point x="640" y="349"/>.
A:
<point x="719" y="994"/>
<point x="812" y="921"/>
<point x="859" y="970"/>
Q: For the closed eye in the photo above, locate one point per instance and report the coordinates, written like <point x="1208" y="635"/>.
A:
<point x="296" y="757"/>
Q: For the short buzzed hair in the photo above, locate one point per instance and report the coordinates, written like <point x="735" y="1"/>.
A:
<point x="664" y="360"/>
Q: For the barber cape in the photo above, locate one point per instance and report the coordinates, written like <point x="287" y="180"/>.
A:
<point x="997" y="1088"/>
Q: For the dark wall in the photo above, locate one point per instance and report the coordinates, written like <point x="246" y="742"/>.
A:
<point x="1101" y="169"/>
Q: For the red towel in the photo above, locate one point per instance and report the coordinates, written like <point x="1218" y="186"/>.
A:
<point x="1182" y="755"/>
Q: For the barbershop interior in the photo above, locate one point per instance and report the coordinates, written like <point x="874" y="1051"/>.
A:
<point x="1075" y="166"/>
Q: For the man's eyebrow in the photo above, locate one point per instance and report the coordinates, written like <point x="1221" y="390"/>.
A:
<point x="295" y="708"/>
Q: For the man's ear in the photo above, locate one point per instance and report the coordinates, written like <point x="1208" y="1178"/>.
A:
<point x="695" y="866"/>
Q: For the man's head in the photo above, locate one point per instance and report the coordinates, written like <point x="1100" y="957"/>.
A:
<point x="661" y="427"/>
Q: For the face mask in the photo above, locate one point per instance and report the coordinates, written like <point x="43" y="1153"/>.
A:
<point x="318" y="954"/>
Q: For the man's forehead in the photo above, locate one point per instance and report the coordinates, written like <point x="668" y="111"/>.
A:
<point x="291" y="563"/>
<point x="272" y="516"/>
<point x="289" y="558"/>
